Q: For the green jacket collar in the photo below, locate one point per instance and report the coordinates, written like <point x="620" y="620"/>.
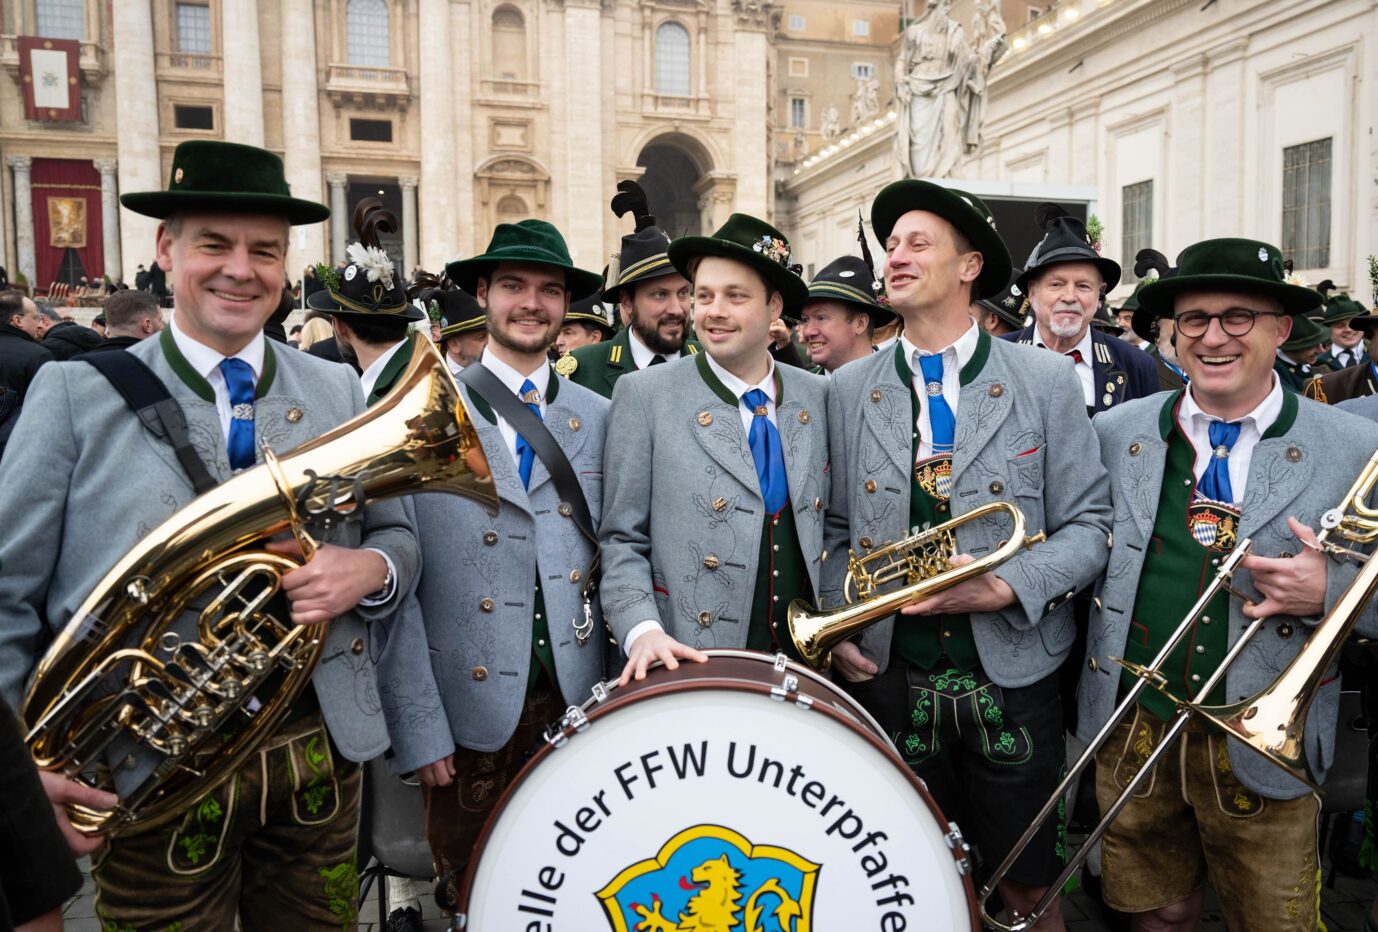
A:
<point x="197" y="383"/>
<point x="1167" y="417"/>
<point x="971" y="370"/>
<point x="482" y="406"/>
<point x="718" y="388"/>
<point x="392" y="371"/>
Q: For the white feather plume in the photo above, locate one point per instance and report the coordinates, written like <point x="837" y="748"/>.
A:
<point x="373" y="261"/>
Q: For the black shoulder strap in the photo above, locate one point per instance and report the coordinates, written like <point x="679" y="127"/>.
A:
<point x="157" y="409"/>
<point x="509" y="407"/>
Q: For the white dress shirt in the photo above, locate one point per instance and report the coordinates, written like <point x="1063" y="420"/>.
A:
<point x="205" y="362"/>
<point x="1345" y="358"/>
<point x="955" y="357"/>
<point x="739" y="388"/>
<point x="1196" y="424"/>
<point x="370" y="376"/>
<point x="1085" y="372"/>
<point x="513" y="380"/>
<point x="643" y="354"/>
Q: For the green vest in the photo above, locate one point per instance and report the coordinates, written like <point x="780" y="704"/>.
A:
<point x="781" y="573"/>
<point x="1177" y="568"/>
<point x="392" y="371"/>
<point x="924" y="642"/>
<point x="542" y="655"/>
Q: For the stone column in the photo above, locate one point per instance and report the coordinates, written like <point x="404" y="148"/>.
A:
<point x="136" y="105"/>
<point x="439" y="161"/>
<point x="465" y="238"/>
<point x="1223" y="213"/>
<point x="751" y="129"/>
<point x="584" y="132"/>
<point x="301" y="125"/>
<point x="109" y="217"/>
<point x="409" y="253"/>
<point x="243" y="70"/>
<point x="23" y="218"/>
<point x="339" y="223"/>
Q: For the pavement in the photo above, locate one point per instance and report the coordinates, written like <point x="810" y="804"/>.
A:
<point x="1342" y="908"/>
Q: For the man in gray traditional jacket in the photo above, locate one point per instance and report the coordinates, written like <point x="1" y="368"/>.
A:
<point x="1192" y="473"/>
<point x="950" y="419"/>
<point x="274" y="844"/>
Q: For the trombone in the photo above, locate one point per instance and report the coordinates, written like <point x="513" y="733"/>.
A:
<point x="1270" y="722"/>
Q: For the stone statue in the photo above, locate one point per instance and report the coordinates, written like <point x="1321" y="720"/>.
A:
<point x="831" y="127"/>
<point x="940" y="84"/>
<point x="801" y="145"/>
<point x="865" y="102"/>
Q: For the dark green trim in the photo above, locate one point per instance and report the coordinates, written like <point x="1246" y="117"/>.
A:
<point x="189" y="376"/>
<point x="396" y="363"/>
<point x="270" y="369"/>
<point x="1285" y="419"/>
<point x="715" y="384"/>
<point x="1168" y="416"/>
<point x="970" y="371"/>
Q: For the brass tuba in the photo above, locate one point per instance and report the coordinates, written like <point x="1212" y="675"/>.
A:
<point x="122" y="700"/>
<point x="922" y="562"/>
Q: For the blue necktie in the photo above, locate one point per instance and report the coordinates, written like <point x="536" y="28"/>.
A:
<point x="767" y="452"/>
<point x="526" y="454"/>
<point x="942" y="424"/>
<point x="1215" y="481"/>
<point x="239" y="379"/>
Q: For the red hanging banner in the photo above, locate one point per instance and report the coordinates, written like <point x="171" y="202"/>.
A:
<point x="51" y="74"/>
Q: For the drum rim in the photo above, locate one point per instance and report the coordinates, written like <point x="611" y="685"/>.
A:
<point x="596" y="708"/>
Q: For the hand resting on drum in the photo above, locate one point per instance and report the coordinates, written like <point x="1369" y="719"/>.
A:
<point x="984" y="593"/>
<point x="1290" y="585"/>
<point x="656" y="645"/>
<point x="439" y="773"/>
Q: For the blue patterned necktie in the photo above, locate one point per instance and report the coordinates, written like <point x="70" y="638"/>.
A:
<point x="526" y="454"/>
<point x="239" y="379"/>
<point x="1215" y="481"/>
<point x="942" y="423"/>
<point x="767" y="452"/>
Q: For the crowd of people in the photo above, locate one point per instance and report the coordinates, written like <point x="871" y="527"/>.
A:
<point x="729" y="433"/>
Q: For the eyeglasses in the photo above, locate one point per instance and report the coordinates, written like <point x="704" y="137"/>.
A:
<point x="1236" y="322"/>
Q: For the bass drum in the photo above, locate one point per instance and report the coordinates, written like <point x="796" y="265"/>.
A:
<point x="746" y="794"/>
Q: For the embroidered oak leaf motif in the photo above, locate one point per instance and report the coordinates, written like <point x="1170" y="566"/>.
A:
<point x="984" y="410"/>
<point x="478" y="641"/>
<point x="407" y="709"/>
<point x="1023" y="441"/>
<point x="625" y="597"/>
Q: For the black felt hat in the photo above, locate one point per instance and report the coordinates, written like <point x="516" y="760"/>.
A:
<point x="1008" y="305"/>
<point x="225" y="177"/>
<point x="849" y="279"/>
<point x="645" y="251"/>
<point x="590" y="311"/>
<point x="754" y="243"/>
<point x="967" y="212"/>
<point x="1064" y="240"/>
<point x="368" y="286"/>
<point x="460" y="312"/>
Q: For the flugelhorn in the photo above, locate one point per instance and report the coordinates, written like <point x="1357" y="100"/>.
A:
<point x="922" y="562"/>
<point x="1270" y="723"/>
<point x="132" y="698"/>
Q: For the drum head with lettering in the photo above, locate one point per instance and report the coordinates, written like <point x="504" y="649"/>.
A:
<point x="720" y="806"/>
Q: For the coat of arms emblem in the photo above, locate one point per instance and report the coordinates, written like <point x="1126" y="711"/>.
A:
<point x="711" y="879"/>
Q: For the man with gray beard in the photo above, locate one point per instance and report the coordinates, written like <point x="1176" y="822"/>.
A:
<point x="1064" y="279"/>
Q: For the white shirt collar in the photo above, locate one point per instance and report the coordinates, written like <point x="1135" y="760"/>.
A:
<point x="1261" y="418"/>
<point x="369" y="377"/>
<point x="514" y="379"/>
<point x="738" y="387"/>
<point x="964" y="347"/>
<point x="643" y="354"/>
<point x="204" y="360"/>
<point x="1083" y="345"/>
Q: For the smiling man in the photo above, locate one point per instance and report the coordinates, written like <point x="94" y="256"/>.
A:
<point x="716" y="467"/>
<point x="270" y="845"/>
<point x="1194" y="472"/>
<point x="949" y="420"/>
<point x="1065" y="279"/>
<point x="839" y="319"/>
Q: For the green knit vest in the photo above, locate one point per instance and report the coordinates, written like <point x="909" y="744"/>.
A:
<point x="1177" y="569"/>
<point x="925" y="641"/>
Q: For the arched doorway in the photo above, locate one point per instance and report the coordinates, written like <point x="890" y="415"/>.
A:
<point x="669" y="180"/>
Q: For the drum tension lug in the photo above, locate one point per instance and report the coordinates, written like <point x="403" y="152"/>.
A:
<point x="780" y="662"/>
<point x="956" y="842"/>
<point x="789" y="689"/>
<point x="600" y="691"/>
<point x="573" y="719"/>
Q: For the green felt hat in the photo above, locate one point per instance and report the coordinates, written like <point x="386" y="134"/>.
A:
<point x="1339" y="306"/>
<point x="967" y="212"/>
<point x="1306" y="333"/>
<point x="225" y="177"/>
<point x="533" y="242"/>
<point x="753" y="243"/>
<point x="1227" y="265"/>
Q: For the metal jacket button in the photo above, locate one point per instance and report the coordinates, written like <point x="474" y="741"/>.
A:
<point x="480" y="673"/>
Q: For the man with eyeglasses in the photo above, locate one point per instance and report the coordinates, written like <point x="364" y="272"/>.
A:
<point x="1192" y="473"/>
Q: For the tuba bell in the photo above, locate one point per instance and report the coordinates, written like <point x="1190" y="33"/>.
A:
<point x="127" y="699"/>
<point x="922" y="562"/>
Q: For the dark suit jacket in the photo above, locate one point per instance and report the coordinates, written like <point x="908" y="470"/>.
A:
<point x="1351" y="382"/>
<point x="1120" y="372"/>
<point x="116" y="343"/>
<point x="20" y="357"/>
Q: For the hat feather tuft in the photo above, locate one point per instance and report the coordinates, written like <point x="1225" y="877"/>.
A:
<point x="1151" y="260"/>
<point x="1047" y="213"/>
<point x="631" y="198"/>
